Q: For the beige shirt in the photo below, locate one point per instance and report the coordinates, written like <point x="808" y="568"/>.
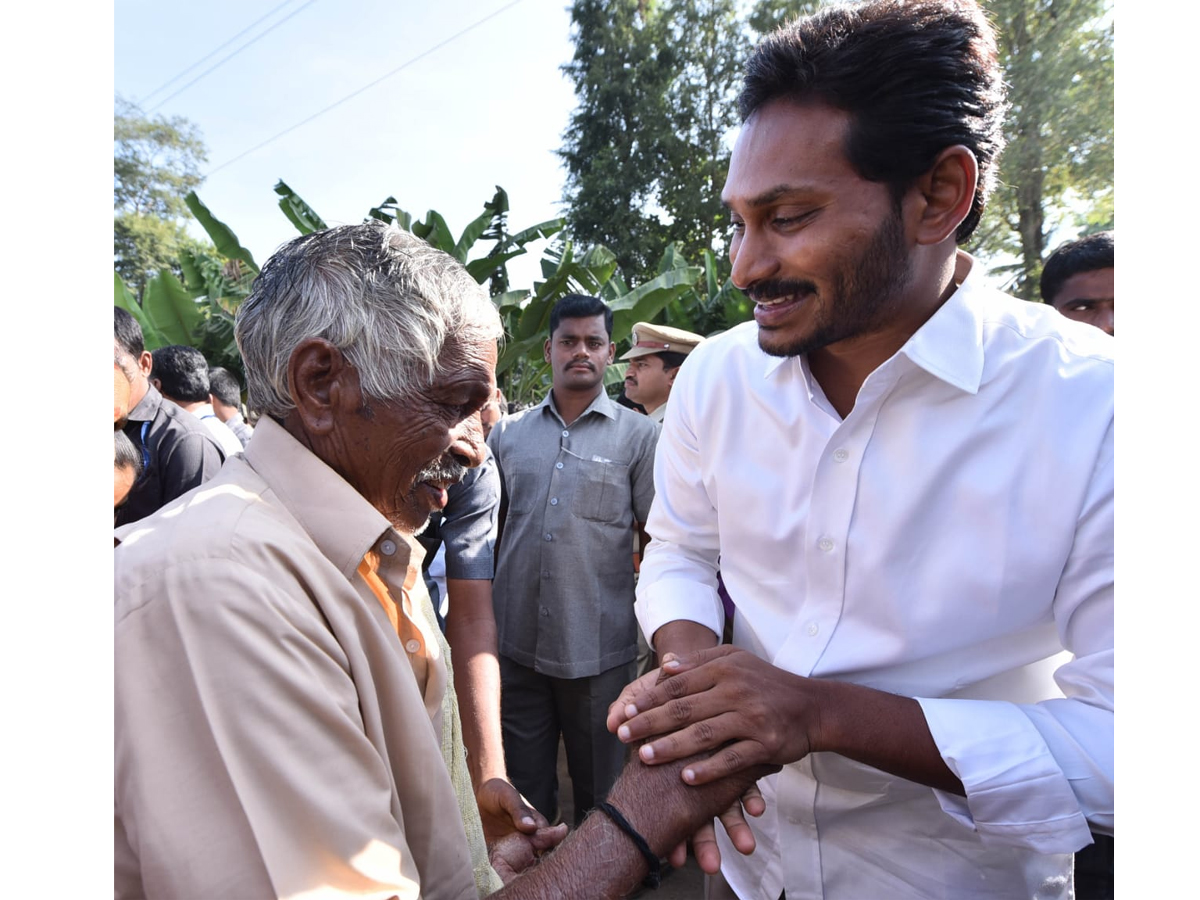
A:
<point x="272" y="739"/>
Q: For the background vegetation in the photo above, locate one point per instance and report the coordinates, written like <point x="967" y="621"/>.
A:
<point x="645" y="152"/>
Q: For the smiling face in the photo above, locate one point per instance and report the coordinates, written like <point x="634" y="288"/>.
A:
<point x="579" y="350"/>
<point x="1088" y="297"/>
<point x="821" y="250"/>
<point x="402" y="455"/>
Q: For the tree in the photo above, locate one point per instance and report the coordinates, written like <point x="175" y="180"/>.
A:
<point x="156" y="161"/>
<point x="1058" y="166"/>
<point x="613" y="144"/>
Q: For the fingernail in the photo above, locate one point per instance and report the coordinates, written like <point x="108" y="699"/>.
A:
<point x="623" y="732"/>
<point x="671" y="664"/>
<point x="668" y="657"/>
<point x="630" y="711"/>
<point x="689" y="775"/>
<point x="527" y="821"/>
<point x="647" y="752"/>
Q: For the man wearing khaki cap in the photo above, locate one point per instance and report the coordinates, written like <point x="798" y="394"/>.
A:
<point x="657" y="353"/>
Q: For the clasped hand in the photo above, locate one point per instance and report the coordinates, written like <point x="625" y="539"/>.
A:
<point x="724" y="700"/>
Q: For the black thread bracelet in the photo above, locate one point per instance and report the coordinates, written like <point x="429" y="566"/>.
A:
<point x="654" y="878"/>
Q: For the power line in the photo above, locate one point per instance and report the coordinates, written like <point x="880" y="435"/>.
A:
<point x="350" y="96"/>
<point x="171" y="81"/>
<point x="254" y="40"/>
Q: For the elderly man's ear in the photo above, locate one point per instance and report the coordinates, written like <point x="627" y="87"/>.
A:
<point x="322" y="384"/>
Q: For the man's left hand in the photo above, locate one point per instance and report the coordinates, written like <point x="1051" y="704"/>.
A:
<point x="515" y="852"/>
<point x="724" y="700"/>
<point x="504" y="811"/>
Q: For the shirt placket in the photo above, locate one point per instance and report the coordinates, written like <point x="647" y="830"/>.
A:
<point x="553" y="521"/>
<point x="834" y="494"/>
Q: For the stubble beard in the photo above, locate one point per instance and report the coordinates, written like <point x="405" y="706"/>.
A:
<point x="865" y="293"/>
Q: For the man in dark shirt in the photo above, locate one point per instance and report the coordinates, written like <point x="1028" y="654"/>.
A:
<point x="177" y="452"/>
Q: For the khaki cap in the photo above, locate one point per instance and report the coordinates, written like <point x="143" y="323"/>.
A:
<point x="648" y="338"/>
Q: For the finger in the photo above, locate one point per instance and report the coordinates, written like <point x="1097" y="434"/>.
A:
<point x="736" y="757"/>
<point x="704" y="847"/>
<point x="548" y="837"/>
<point x="678" y="856"/>
<point x="525" y="818"/>
<point x="752" y="802"/>
<point x="712" y="727"/>
<point x="631" y="694"/>
<point x="739" y="832"/>
<point x="680" y="700"/>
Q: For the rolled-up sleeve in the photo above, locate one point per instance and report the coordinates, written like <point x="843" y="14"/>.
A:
<point x="469" y="527"/>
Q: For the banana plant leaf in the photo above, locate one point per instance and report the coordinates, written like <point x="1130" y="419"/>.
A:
<point x="492" y="217"/>
<point x="222" y="235"/>
<point x="515" y="350"/>
<point x="124" y="298"/>
<point x="644" y="302"/>
<point x="299" y="213"/>
<point x="171" y="309"/>
<point x="509" y="300"/>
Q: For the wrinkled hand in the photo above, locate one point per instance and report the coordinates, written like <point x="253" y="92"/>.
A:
<point x="503" y="811"/>
<point x="724" y="700"/>
<point x="515" y="852"/>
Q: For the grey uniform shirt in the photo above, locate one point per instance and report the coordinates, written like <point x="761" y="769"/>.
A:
<point x="563" y="590"/>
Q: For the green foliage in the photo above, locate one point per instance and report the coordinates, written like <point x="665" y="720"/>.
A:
<point x="156" y="161"/>
<point x="1057" y="171"/>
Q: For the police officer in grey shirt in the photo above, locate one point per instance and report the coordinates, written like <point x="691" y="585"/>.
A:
<point x="577" y="473"/>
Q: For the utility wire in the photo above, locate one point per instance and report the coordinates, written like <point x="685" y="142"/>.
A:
<point x="337" y="103"/>
<point x="253" y="40"/>
<point x="170" y="82"/>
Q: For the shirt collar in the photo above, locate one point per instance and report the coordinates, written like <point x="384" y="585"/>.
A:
<point x="601" y="404"/>
<point x="948" y="346"/>
<point x="147" y="407"/>
<point x="342" y="524"/>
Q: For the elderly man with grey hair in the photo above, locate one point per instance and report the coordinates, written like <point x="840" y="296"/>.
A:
<point x="284" y="717"/>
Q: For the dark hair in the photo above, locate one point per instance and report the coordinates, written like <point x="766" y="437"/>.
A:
<point x="1088" y="253"/>
<point x="128" y="333"/>
<point x="915" y="77"/>
<point x="183" y="372"/>
<point x="125" y="454"/>
<point x="223" y="385"/>
<point x="580" y="306"/>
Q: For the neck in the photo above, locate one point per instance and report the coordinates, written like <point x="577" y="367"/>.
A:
<point x="651" y="406"/>
<point x="138" y="388"/>
<point x="840" y="369"/>
<point x="571" y="404"/>
<point x="193" y="406"/>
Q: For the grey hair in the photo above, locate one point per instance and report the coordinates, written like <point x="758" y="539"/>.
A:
<point x="387" y="299"/>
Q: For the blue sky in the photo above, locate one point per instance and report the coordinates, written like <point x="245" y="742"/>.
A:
<point x="486" y="108"/>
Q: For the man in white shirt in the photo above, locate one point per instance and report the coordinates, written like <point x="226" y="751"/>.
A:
<point x="906" y="479"/>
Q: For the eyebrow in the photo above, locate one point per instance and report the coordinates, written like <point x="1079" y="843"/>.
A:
<point x="771" y="195"/>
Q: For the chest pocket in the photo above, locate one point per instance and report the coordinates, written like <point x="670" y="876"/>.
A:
<point x="603" y="492"/>
<point x="525" y="480"/>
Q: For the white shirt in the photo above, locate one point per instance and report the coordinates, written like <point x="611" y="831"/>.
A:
<point x="951" y="540"/>
<point x="225" y="438"/>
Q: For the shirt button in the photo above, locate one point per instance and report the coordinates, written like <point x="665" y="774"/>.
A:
<point x="825" y="544"/>
<point x="547" y="537"/>
<point x="566" y="434"/>
<point x="387" y="548"/>
<point x="841" y="455"/>
<point x="558" y="465"/>
<point x="554" y="501"/>
<point x="544" y="611"/>
<point x="813" y="628"/>
<point x="546" y="574"/>
<point x="413" y="646"/>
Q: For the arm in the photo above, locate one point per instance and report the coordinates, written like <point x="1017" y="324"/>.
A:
<point x="469" y="531"/>
<point x="599" y="860"/>
<point x="236" y="715"/>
